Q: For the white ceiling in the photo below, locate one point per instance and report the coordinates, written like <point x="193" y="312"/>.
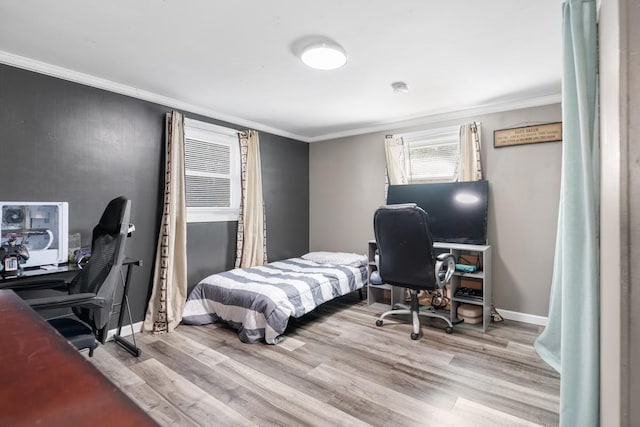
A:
<point x="234" y="60"/>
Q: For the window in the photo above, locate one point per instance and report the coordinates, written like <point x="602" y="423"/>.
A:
<point x="433" y="155"/>
<point x="212" y="172"/>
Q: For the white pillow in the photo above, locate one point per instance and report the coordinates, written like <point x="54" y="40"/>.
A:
<point x="341" y="258"/>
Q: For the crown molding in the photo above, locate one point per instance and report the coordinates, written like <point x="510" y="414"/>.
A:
<point x="415" y="120"/>
<point x="444" y="115"/>
<point x="97" y="82"/>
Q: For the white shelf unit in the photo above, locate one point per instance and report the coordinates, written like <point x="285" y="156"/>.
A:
<point x="383" y="297"/>
<point x="481" y="279"/>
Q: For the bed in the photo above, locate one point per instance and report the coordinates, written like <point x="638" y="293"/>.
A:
<point x="258" y="301"/>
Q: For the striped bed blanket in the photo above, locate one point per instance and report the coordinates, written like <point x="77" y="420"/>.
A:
<point x="258" y="301"/>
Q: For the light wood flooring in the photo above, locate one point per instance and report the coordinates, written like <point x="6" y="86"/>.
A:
<point x="337" y="368"/>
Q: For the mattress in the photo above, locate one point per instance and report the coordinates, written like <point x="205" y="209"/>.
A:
<point x="258" y="301"/>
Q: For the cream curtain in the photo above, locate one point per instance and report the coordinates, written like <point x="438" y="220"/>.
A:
<point x="470" y="161"/>
<point x="251" y="245"/>
<point x="170" y="275"/>
<point x="394" y="150"/>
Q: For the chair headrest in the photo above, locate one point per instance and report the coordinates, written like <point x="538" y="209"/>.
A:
<point x="391" y="214"/>
<point x="112" y="215"/>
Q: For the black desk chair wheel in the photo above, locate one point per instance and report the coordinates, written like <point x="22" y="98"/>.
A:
<point x="407" y="259"/>
<point x="90" y="294"/>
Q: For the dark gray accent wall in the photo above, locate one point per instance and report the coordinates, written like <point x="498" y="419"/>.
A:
<point x="285" y="186"/>
<point x="211" y="249"/>
<point x="285" y="172"/>
<point x="62" y="141"/>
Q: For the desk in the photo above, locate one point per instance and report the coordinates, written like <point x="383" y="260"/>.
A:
<point x="31" y="273"/>
<point x="46" y="381"/>
<point x="14" y="283"/>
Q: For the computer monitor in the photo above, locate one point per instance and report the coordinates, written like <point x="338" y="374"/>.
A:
<point x="457" y="210"/>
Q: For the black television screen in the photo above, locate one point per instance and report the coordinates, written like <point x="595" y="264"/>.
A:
<point x="457" y="210"/>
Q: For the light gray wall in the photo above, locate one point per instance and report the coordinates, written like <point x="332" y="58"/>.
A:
<point x="346" y="178"/>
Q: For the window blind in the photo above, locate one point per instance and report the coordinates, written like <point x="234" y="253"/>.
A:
<point x="433" y="162"/>
<point x="207" y="174"/>
<point x="212" y="172"/>
<point x="433" y="156"/>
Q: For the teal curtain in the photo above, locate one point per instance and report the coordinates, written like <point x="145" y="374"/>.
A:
<point x="571" y="341"/>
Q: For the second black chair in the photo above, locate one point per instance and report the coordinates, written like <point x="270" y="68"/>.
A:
<point x="91" y="292"/>
<point x="407" y="259"/>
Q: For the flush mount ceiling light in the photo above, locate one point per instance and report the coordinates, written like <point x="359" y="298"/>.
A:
<point x="399" y="87"/>
<point x="324" y="56"/>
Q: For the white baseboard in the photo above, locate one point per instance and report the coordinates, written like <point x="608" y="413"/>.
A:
<point x="523" y="317"/>
<point x="126" y="330"/>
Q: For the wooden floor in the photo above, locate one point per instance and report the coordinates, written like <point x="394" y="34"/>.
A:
<point x="337" y="368"/>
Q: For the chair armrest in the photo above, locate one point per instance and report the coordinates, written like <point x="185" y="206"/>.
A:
<point x="448" y="260"/>
<point x="28" y="285"/>
<point x="64" y="301"/>
<point x="443" y="256"/>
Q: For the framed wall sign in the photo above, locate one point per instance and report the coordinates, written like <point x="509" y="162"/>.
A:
<point x="527" y="135"/>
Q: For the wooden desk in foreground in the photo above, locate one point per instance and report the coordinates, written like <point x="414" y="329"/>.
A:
<point x="45" y="381"/>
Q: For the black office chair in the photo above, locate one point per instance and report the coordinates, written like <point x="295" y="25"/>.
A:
<point x="91" y="292"/>
<point x="406" y="259"/>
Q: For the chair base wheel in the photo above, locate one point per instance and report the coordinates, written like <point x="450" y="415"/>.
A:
<point x="414" y="336"/>
<point x="448" y="329"/>
<point x="378" y="322"/>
